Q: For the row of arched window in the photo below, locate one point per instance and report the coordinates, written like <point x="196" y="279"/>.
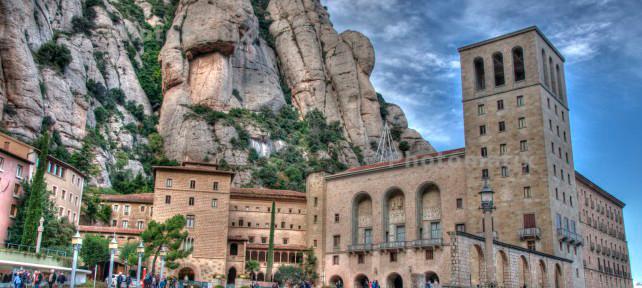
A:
<point x="552" y="75"/>
<point x="519" y="71"/>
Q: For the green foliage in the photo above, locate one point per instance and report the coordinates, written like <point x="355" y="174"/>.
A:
<point x="128" y="254"/>
<point x="82" y="159"/>
<point x="319" y="134"/>
<point x="289" y="275"/>
<point x="123" y="182"/>
<point x="309" y="266"/>
<point x="94" y="250"/>
<point x="92" y="209"/>
<point x="260" y="10"/>
<point x="252" y="266"/>
<point x="169" y="234"/>
<point x="357" y="151"/>
<point x="137" y="110"/>
<point x="130" y="10"/>
<point x="80" y="24"/>
<point x="53" y="55"/>
<point x="396" y="132"/>
<point x="404" y="147"/>
<point x="270" y="252"/>
<point x="382" y="106"/>
<point x="37" y="196"/>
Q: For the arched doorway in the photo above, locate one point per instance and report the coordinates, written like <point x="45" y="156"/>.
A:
<point x="186" y="272"/>
<point x="260" y="277"/>
<point x="476" y="260"/>
<point x="524" y="273"/>
<point x="336" y="280"/>
<point x="559" y="280"/>
<point x="503" y="272"/>
<point x="231" y="275"/>
<point x="431" y="277"/>
<point x="394" y="281"/>
<point x="542" y="274"/>
<point x="361" y="281"/>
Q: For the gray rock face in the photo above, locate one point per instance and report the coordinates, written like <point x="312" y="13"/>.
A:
<point x="213" y="56"/>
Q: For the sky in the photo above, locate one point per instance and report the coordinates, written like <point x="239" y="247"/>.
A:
<point x="417" y="67"/>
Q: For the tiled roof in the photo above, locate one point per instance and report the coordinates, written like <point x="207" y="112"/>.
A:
<point x="267" y="193"/>
<point x="145" y="198"/>
<point x="107" y="229"/>
<point x="193" y="168"/>
<point x="402" y="160"/>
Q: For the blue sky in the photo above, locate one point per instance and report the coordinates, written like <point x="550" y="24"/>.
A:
<point x="417" y="67"/>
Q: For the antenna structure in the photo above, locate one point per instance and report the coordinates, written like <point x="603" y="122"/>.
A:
<point x="386" y="150"/>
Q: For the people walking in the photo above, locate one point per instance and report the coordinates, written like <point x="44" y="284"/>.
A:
<point x="61" y="280"/>
<point x="51" y="280"/>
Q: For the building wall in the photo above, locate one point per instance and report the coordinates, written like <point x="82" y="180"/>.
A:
<point x="606" y="255"/>
<point x="138" y="216"/>
<point x="210" y="230"/>
<point x="549" y="154"/>
<point x="10" y="190"/>
<point x="66" y="189"/>
<point x="443" y="175"/>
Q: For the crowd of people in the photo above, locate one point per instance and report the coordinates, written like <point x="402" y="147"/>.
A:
<point x="37" y="279"/>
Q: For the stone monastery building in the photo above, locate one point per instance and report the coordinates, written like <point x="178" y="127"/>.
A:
<point x="418" y="219"/>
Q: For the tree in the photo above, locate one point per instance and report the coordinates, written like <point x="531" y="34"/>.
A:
<point x="310" y="266"/>
<point x="270" y="252"/>
<point x="404" y="147"/>
<point x="37" y="198"/>
<point x="252" y="266"/>
<point x="92" y="209"/>
<point x="169" y="234"/>
<point x="128" y="254"/>
<point x="289" y="275"/>
<point x="94" y="250"/>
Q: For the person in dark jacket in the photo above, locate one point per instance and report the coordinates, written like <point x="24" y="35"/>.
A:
<point x="61" y="280"/>
<point x="51" y="280"/>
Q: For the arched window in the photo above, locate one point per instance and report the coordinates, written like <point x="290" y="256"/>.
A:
<point x="559" y="81"/>
<point x="498" y="68"/>
<point x="518" y="64"/>
<point x="552" y="73"/>
<point x="480" y="76"/>
<point x="544" y="67"/>
<point x="234" y="249"/>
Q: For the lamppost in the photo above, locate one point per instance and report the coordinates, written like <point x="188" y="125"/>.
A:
<point x="163" y="253"/>
<point x="76" y="242"/>
<point x="487" y="207"/>
<point x="113" y="247"/>
<point x="140" y="250"/>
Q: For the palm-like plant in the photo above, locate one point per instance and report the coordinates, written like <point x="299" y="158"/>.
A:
<point x="252" y="267"/>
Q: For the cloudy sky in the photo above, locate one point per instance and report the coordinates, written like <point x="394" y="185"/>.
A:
<point x="417" y="67"/>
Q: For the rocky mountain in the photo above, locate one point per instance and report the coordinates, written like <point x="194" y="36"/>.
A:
<point x="126" y="84"/>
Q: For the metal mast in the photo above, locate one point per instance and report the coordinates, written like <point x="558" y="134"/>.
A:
<point x="386" y="150"/>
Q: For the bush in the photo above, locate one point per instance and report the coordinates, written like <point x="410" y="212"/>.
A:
<point x="117" y="94"/>
<point x="53" y="55"/>
<point x="81" y="25"/>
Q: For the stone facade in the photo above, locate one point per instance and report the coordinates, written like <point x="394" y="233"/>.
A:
<point x="66" y="186"/>
<point x="606" y="255"/>
<point x="15" y="164"/>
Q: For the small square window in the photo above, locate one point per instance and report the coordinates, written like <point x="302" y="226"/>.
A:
<point x="335" y="260"/>
<point x="168" y="182"/>
<point x="502" y="126"/>
<point x="214" y="203"/>
<point x="504" y="171"/>
<point x="484" y="152"/>
<point x="521" y="122"/>
<point x="336" y="218"/>
<point x="520" y="101"/>
<point x="190" y="201"/>
<point x="393" y="256"/>
<point x="523" y="146"/>
<point x="502" y="149"/>
<point x="460" y="203"/>
<point x="526" y="168"/>
<point x="168" y="199"/>
<point x="461" y="227"/>
<point x="360" y="259"/>
<point x="485" y="174"/>
<point x="215" y="186"/>
<point x="192" y="184"/>
<point x="527" y="192"/>
<point x="429" y="254"/>
<point x="481" y="109"/>
<point x="500" y="104"/>
<point x="482" y="130"/>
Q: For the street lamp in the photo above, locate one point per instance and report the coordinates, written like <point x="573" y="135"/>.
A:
<point x="140" y="250"/>
<point x="486" y="195"/>
<point x="163" y="253"/>
<point x="113" y="247"/>
<point x="76" y="242"/>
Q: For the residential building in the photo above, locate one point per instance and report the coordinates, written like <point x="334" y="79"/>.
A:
<point x="16" y="159"/>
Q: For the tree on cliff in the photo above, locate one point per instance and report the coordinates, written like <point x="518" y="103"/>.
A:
<point x="270" y="252"/>
<point x="169" y="234"/>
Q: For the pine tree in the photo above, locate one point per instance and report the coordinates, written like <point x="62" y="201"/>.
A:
<point x="270" y="256"/>
<point x="36" y="201"/>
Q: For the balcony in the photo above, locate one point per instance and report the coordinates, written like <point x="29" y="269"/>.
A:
<point x="529" y="234"/>
<point x="592" y="246"/>
<point x="563" y="234"/>
<point x="394" y="245"/>
<point x="427" y="243"/>
<point x="570" y="237"/>
<point x="598" y="249"/>
<point x="360" y="248"/>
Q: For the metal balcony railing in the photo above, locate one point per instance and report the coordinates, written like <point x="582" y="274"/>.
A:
<point x="424" y="243"/>
<point x="32" y="249"/>
<point x="529" y="233"/>
<point x="366" y="247"/>
<point x="392" y="245"/>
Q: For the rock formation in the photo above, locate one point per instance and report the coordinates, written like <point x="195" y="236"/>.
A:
<point x="249" y="55"/>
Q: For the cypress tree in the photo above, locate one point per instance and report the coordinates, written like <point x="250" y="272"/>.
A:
<point x="270" y="256"/>
<point x="37" y="199"/>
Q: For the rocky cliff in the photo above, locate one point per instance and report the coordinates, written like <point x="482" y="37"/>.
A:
<point x="241" y="81"/>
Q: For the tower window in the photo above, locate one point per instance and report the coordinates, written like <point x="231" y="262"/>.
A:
<point x="498" y="68"/>
<point x="559" y="81"/>
<point x="485" y="174"/>
<point x="500" y="104"/>
<point x="502" y="126"/>
<point x="544" y="68"/>
<point x="520" y="101"/>
<point x="484" y="152"/>
<point x="552" y="74"/>
<point x="521" y="122"/>
<point x="504" y="170"/>
<point x="502" y="149"/>
<point x="482" y="130"/>
<point x="518" y="64"/>
<point x="527" y="192"/>
<point x="460" y="203"/>
<point x="191" y="201"/>
<point x="168" y="199"/>
<point x="480" y="77"/>
<point x="192" y="184"/>
<point x="523" y="146"/>
<point x="168" y="182"/>
<point x="481" y="109"/>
